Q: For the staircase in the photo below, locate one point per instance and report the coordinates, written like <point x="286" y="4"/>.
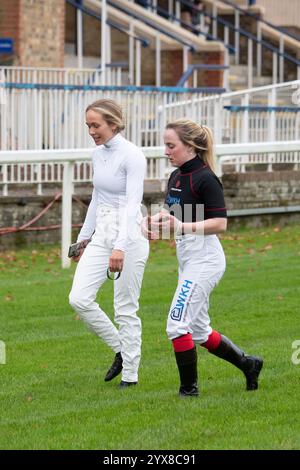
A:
<point x="238" y="78"/>
<point x="173" y="47"/>
<point x="254" y="39"/>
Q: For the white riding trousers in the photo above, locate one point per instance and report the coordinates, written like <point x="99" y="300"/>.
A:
<point x="89" y="277"/>
<point x="201" y="266"/>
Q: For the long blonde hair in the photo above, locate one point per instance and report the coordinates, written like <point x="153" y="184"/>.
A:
<point x="196" y="136"/>
<point x="111" y="111"/>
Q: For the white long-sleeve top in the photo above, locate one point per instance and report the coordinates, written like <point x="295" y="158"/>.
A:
<point x="119" y="169"/>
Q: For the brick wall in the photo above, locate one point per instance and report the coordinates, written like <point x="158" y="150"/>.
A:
<point x="70" y="26"/>
<point x="261" y="189"/>
<point x="172" y="66"/>
<point x="42" y="33"/>
<point x="9" y="27"/>
<point x="38" y="29"/>
<point x="212" y="78"/>
<point x="92" y="36"/>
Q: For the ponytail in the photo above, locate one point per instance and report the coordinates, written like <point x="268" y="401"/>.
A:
<point x="208" y="155"/>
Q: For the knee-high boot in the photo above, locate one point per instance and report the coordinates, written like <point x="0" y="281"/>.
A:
<point x="187" y="367"/>
<point x="250" y="365"/>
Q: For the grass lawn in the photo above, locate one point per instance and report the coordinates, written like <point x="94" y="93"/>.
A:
<point x="52" y="391"/>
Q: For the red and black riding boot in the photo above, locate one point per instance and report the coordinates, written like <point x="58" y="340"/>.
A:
<point x="249" y="365"/>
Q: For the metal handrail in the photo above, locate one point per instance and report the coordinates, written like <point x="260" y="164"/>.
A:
<point x="75" y="4"/>
<point x="208" y="36"/>
<point x="131" y="88"/>
<point x="261" y="20"/>
<point x="243" y="32"/>
<point x="194" y="67"/>
<point x="225" y="23"/>
<point x="153" y="25"/>
<point x="261" y="108"/>
<point x="266" y="88"/>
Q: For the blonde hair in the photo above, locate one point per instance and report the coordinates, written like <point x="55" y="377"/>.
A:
<point x="196" y="136"/>
<point x="111" y="111"/>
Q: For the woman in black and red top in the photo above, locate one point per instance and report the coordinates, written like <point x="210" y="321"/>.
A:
<point x="195" y="210"/>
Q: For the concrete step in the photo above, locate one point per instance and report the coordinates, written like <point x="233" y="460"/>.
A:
<point x="262" y="81"/>
<point x="238" y="69"/>
<point x="238" y="82"/>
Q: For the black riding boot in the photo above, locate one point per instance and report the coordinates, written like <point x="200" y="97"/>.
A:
<point x="250" y="365"/>
<point x="115" y="368"/>
<point x="187" y="367"/>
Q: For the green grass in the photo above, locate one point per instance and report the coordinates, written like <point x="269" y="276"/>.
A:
<point x="52" y="393"/>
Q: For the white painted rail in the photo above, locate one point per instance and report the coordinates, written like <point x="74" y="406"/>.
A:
<point x="69" y="157"/>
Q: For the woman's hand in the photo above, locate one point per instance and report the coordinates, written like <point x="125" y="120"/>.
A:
<point x="77" y="258"/>
<point x="116" y="261"/>
<point x="83" y="246"/>
<point x="164" y="224"/>
<point x="146" y="227"/>
<point x="170" y="224"/>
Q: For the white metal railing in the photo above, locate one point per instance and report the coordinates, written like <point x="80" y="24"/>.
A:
<point x="69" y="157"/>
<point x="39" y="169"/>
<point x="65" y="76"/>
<point x="268" y="113"/>
<point x="52" y="117"/>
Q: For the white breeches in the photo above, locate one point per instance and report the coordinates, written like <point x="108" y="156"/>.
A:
<point x="201" y="266"/>
<point x="89" y="277"/>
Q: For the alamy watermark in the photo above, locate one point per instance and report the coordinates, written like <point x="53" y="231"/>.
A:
<point x="296" y="95"/>
<point x="296" y="354"/>
<point x="2" y="353"/>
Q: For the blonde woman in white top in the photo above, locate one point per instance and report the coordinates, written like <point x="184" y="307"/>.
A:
<point x="113" y="224"/>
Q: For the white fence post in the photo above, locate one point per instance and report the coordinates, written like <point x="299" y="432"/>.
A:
<point x="281" y="59"/>
<point x="259" y="50"/>
<point x="4" y="175"/>
<point x="185" y="58"/>
<point x="157" y="61"/>
<point x="250" y="63"/>
<point x="79" y="38"/>
<point x="237" y="37"/>
<point x="131" y="53"/>
<point x="66" y="228"/>
<point x="138" y="64"/>
<point x="245" y="129"/>
<point x="275" y="68"/>
<point x="272" y="123"/>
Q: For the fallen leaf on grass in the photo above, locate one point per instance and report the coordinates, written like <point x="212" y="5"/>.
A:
<point x="10" y="256"/>
<point x="266" y="248"/>
<point x="8" y="298"/>
<point x="23" y="265"/>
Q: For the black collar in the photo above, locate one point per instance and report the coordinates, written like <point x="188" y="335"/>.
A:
<point x="192" y="165"/>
